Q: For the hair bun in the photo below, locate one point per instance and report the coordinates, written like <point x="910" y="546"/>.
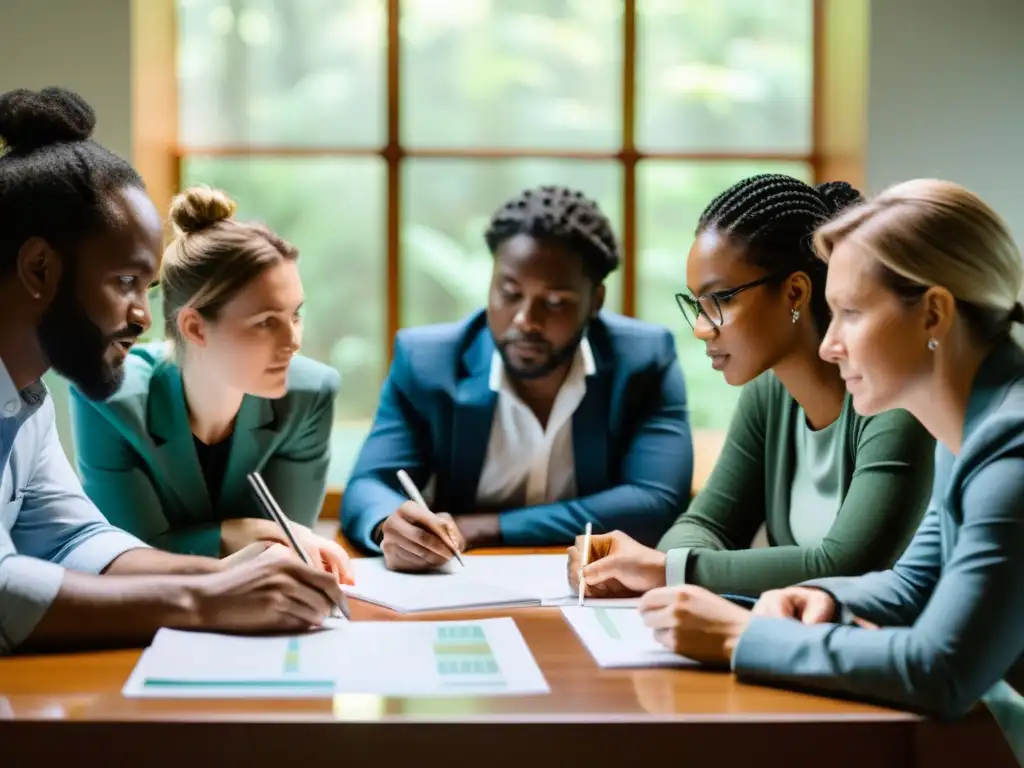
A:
<point x="839" y="195"/>
<point x="1017" y="313"/>
<point x="200" y="207"/>
<point x="33" y="119"/>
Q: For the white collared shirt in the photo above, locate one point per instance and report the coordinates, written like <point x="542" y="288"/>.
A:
<point x="527" y="464"/>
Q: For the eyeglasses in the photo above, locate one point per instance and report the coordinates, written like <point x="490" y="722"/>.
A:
<point x="710" y="304"/>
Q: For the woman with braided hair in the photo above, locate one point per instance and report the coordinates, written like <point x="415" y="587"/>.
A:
<point x="837" y="493"/>
<point x="924" y="283"/>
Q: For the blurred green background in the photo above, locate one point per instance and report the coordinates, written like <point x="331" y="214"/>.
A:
<point x="713" y="77"/>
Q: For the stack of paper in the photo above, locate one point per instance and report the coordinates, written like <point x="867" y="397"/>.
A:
<point x="502" y="581"/>
<point x="617" y="637"/>
<point x="461" y="658"/>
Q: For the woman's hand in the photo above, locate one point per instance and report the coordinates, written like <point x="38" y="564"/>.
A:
<point x="617" y="566"/>
<point x="694" y="622"/>
<point x="239" y="533"/>
<point x="327" y="553"/>
<point x="805" y="604"/>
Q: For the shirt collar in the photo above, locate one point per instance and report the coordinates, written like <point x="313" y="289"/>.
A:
<point x="12" y="402"/>
<point x="584" y="360"/>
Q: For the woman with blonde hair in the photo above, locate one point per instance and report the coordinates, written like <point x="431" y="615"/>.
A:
<point x="166" y="457"/>
<point x="923" y="283"/>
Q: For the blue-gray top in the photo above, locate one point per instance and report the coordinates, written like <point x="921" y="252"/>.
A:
<point x="951" y="608"/>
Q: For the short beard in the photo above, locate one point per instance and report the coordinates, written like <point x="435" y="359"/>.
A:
<point x="76" y="347"/>
<point x="555" y="359"/>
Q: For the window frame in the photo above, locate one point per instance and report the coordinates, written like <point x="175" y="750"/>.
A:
<point x="394" y="154"/>
<point x="839" y="52"/>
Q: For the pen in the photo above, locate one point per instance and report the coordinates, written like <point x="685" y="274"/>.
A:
<point x="585" y="558"/>
<point x="269" y="504"/>
<point x="414" y="494"/>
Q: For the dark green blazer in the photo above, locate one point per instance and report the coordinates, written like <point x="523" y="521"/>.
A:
<point x="139" y="465"/>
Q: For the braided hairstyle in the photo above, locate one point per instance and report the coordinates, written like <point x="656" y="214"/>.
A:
<point x="54" y="179"/>
<point x="561" y="215"/>
<point x="775" y="216"/>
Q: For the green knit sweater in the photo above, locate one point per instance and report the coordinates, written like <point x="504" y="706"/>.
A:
<point x="885" y="466"/>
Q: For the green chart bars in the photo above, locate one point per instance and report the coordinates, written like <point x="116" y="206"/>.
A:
<point x="464" y="657"/>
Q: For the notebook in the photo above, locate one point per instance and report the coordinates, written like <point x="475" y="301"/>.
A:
<point x="487" y="581"/>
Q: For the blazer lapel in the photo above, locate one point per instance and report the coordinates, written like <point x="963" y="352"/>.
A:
<point x="592" y="422"/>
<point x="175" y="451"/>
<point x="471" y="425"/>
<point x="251" y="442"/>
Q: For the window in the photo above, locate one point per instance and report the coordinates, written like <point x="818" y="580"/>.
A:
<point x="379" y="135"/>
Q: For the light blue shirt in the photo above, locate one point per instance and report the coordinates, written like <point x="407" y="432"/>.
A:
<point x="47" y="523"/>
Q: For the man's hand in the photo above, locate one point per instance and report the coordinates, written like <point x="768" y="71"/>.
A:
<point x="273" y="592"/>
<point x="617" y="566"/>
<point x="416" y="539"/>
<point x="479" y="529"/>
<point x="246" y="554"/>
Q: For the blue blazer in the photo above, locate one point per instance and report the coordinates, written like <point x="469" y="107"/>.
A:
<point x="631" y="440"/>
<point x="950" y="608"/>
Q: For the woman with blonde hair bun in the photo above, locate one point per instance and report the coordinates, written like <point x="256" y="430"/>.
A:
<point x="923" y="283"/>
<point x="166" y="457"/>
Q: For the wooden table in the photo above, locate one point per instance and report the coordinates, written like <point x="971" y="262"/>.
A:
<point x="62" y="709"/>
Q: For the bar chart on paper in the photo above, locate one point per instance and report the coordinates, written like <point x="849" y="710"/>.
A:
<point x="617" y="637"/>
<point x="464" y="657"/>
<point x="486" y="658"/>
<point x="183" y="664"/>
<point x="452" y="658"/>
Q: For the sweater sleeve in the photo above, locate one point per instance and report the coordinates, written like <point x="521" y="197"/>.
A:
<point x="969" y="634"/>
<point x="726" y="514"/>
<point x="887" y="497"/>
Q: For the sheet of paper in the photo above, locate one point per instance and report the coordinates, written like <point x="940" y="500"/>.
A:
<point x="486" y="581"/>
<point x="463" y="658"/>
<point x="205" y="665"/>
<point x="617" y="637"/>
<point x="481" y="658"/>
<point x="604" y="602"/>
<point x="447" y="589"/>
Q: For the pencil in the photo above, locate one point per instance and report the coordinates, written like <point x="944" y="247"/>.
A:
<point x="414" y="494"/>
<point x="269" y="504"/>
<point x="584" y="559"/>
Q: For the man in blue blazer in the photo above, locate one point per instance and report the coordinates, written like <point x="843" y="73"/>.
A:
<point x="526" y="421"/>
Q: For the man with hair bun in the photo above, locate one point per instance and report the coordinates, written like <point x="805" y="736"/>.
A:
<point x="532" y="418"/>
<point x="79" y="247"/>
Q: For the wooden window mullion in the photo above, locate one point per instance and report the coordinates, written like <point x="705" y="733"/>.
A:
<point x="392" y="154"/>
<point x="629" y="159"/>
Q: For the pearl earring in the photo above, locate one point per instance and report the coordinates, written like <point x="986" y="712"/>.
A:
<point x="933" y="344"/>
<point x="796" y="315"/>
